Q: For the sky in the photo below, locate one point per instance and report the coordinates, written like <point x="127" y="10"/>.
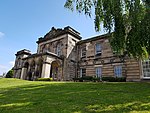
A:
<point x="22" y="22"/>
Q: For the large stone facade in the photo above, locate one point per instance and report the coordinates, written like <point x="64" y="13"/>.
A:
<point x="62" y="55"/>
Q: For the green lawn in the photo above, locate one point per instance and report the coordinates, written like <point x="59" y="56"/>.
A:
<point x="19" y="96"/>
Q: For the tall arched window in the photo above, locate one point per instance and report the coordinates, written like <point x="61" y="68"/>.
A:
<point x="98" y="49"/>
<point x="58" y="49"/>
<point x="18" y="62"/>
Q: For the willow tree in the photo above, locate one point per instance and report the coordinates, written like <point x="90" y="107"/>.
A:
<point x="128" y="22"/>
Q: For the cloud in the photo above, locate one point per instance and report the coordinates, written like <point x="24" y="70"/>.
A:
<point x="12" y="63"/>
<point x="1" y="34"/>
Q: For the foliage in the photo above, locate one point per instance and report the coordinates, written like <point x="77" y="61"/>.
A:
<point x="94" y="79"/>
<point x="10" y="74"/>
<point x="84" y="78"/>
<point x="114" y="79"/>
<point x="129" y="19"/>
<point x="20" y="96"/>
<point x="44" y="79"/>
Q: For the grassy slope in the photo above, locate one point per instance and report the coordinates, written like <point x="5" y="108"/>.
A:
<point x="18" y="96"/>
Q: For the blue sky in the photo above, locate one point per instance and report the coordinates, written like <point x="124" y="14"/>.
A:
<point x="22" y="22"/>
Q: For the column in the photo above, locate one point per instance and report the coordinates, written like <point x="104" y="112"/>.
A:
<point x="46" y="70"/>
<point x="36" y="73"/>
<point x="23" y="72"/>
<point x="27" y="73"/>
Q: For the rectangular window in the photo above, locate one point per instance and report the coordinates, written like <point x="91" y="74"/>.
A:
<point x="98" y="72"/>
<point x="58" y="49"/>
<point x="118" y="71"/>
<point x="98" y="49"/>
<point x="146" y="68"/>
<point x="82" y="72"/>
<point x="83" y="52"/>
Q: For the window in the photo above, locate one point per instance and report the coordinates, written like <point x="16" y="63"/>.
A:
<point x="98" y="72"/>
<point x="118" y="71"/>
<point x="41" y="48"/>
<point x="82" y="72"/>
<point x="98" y="49"/>
<point x="58" y="49"/>
<point x="83" y="52"/>
<point x="146" y="68"/>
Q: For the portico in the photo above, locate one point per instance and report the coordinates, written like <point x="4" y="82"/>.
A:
<point x="44" y="65"/>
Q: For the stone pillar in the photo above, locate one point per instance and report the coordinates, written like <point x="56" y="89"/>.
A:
<point x="27" y="73"/>
<point x="23" y="72"/>
<point x="35" y="72"/>
<point x="46" y="70"/>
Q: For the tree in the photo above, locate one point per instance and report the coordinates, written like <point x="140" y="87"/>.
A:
<point x="128" y="22"/>
<point x="9" y="74"/>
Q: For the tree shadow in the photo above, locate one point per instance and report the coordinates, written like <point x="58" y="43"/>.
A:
<point x="40" y="97"/>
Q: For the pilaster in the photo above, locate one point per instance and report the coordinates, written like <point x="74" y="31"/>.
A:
<point x="23" y="72"/>
<point x="46" y="70"/>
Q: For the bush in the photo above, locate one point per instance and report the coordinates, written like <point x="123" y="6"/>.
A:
<point x="89" y="78"/>
<point x="10" y="74"/>
<point x="86" y="78"/>
<point x="94" y="79"/>
<point x="78" y="79"/>
<point x="114" y="79"/>
<point x="44" y="79"/>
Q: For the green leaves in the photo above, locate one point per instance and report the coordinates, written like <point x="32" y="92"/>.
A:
<point x="80" y="6"/>
<point x="128" y="19"/>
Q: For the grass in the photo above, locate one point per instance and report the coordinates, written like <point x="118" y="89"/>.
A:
<point x="19" y="96"/>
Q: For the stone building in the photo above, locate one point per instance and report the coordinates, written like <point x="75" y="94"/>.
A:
<point x="62" y="55"/>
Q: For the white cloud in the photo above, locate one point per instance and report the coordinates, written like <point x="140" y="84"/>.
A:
<point x="12" y="63"/>
<point x="1" y="34"/>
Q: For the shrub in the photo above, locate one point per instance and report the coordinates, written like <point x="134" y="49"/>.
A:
<point x="94" y="79"/>
<point x="86" y="78"/>
<point x="51" y="79"/>
<point x="89" y="78"/>
<point x="44" y="79"/>
<point x="9" y="74"/>
<point x="114" y="79"/>
<point x="78" y="79"/>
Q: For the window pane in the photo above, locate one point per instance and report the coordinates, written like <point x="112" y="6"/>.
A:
<point x="83" y="52"/>
<point x="98" y="48"/>
<point x="98" y="72"/>
<point x="118" y="71"/>
<point x="58" y="49"/>
<point x="146" y="68"/>
<point x="82" y="72"/>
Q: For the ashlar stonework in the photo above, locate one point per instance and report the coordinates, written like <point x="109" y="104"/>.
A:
<point x="62" y="55"/>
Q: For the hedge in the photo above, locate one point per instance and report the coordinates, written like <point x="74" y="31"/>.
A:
<point x="44" y="79"/>
<point x="94" y="79"/>
<point x="114" y="79"/>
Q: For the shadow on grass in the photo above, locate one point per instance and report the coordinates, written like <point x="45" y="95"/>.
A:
<point x="40" y="97"/>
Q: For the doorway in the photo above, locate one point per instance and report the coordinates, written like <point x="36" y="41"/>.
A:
<point x="55" y="71"/>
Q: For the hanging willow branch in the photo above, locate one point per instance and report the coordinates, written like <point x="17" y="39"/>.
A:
<point x="128" y="19"/>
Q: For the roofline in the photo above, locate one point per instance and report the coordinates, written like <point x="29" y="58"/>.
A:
<point x="23" y="51"/>
<point x="66" y="30"/>
<point x="41" y="54"/>
<point x="95" y="38"/>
